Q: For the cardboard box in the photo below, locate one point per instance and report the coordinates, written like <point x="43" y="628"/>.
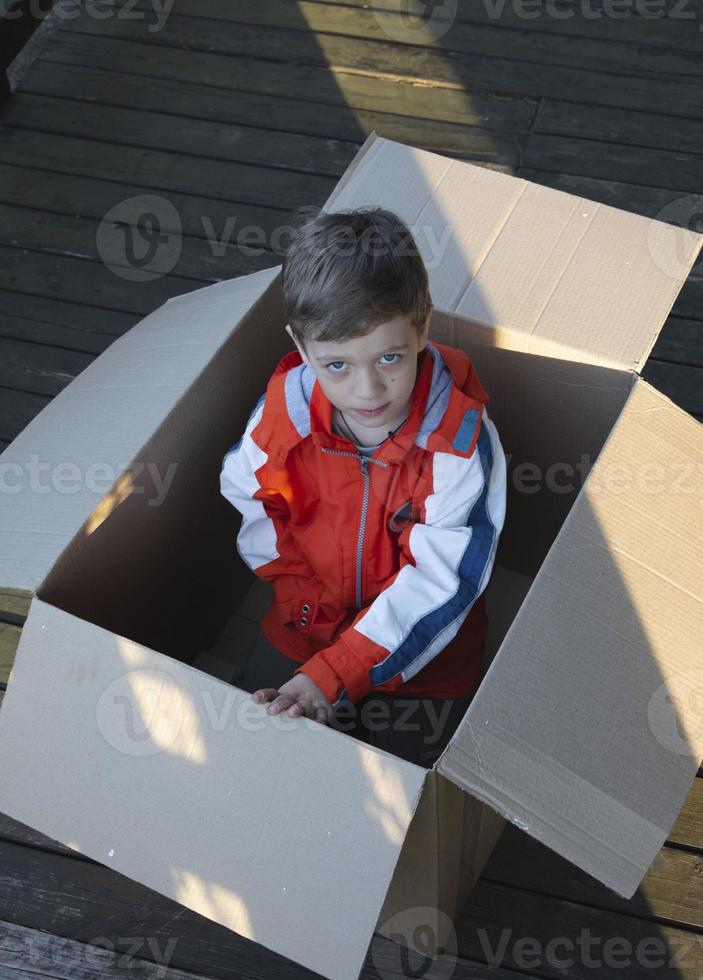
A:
<point x="584" y="731"/>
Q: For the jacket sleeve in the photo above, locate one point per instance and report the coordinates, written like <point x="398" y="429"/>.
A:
<point x="446" y="562"/>
<point x="265" y="515"/>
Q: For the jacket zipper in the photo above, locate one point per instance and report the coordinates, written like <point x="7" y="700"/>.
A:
<point x="364" y="465"/>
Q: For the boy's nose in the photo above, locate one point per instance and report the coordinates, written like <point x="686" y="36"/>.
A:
<point x="368" y="389"/>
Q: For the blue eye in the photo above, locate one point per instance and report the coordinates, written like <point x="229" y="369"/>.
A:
<point x="331" y="366"/>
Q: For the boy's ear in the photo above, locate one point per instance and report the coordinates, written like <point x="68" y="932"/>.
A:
<point x="300" y="349"/>
<point x="424" y="334"/>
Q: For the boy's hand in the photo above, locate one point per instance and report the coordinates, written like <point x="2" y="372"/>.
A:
<point x="300" y="696"/>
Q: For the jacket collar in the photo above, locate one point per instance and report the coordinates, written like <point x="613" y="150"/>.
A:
<point x="296" y="406"/>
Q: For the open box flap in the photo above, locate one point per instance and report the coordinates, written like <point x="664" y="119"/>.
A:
<point x="570" y="277"/>
<point x="586" y="729"/>
<point x="99" y="759"/>
<point x="63" y="463"/>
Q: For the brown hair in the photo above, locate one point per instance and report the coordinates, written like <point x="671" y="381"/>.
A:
<point x="344" y="273"/>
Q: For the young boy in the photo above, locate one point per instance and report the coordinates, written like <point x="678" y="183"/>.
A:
<point x="371" y="484"/>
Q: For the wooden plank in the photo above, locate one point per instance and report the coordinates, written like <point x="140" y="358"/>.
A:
<point x="15" y="600"/>
<point x="672" y="889"/>
<point x="613" y="161"/>
<point x="27" y="951"/>
<point x="92" y="197"/>
<point x="39" y="368"/>
<point x="680" y="341"/>
<point x="208" y="139"/>
<point x="162" y="171"/>
<point x="481" y="35"/>
<point x="551" y="937"/>
<point x="496" y="72"/>
<point x="681" y="383"/>
<point x="616" y="125"/>
<point x="316" y="125"/>
<point x="187" y="259"/>
<point x="688" y="829"/>
<point x="316" y="87"/>
<point x="77" y="326"/>
<point x="82" y="281"/>
<point x="52" y="335"/>
<point x="33" y="952"/>
<point x="9" y="638"/>
<point x="19" y="833"/>
<point x="655" y="25"/>
<point x="17" y="409"/>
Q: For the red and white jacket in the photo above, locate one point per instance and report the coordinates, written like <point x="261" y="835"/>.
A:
<point x="378" y="563"/>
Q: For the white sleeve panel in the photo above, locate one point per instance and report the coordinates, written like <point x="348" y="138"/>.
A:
<point x="256" y="541"/>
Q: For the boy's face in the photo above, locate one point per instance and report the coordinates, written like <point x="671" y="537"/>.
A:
<point x="377" y="371"/>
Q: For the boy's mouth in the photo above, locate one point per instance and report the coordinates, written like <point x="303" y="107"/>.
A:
<point x="370" y="412"/>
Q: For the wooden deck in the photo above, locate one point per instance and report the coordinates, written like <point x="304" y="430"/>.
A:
<point x="241" y="112"/>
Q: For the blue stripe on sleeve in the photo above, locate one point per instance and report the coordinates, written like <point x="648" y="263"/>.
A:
<point x="471" y="570"/>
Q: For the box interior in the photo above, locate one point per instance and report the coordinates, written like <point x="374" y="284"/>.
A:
<point x="157" y="561"/>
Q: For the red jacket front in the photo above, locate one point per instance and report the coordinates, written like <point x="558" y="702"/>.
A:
<point x="378" y="563"/>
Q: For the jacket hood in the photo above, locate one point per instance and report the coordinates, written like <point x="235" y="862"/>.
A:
<point x="445" y="409"/>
